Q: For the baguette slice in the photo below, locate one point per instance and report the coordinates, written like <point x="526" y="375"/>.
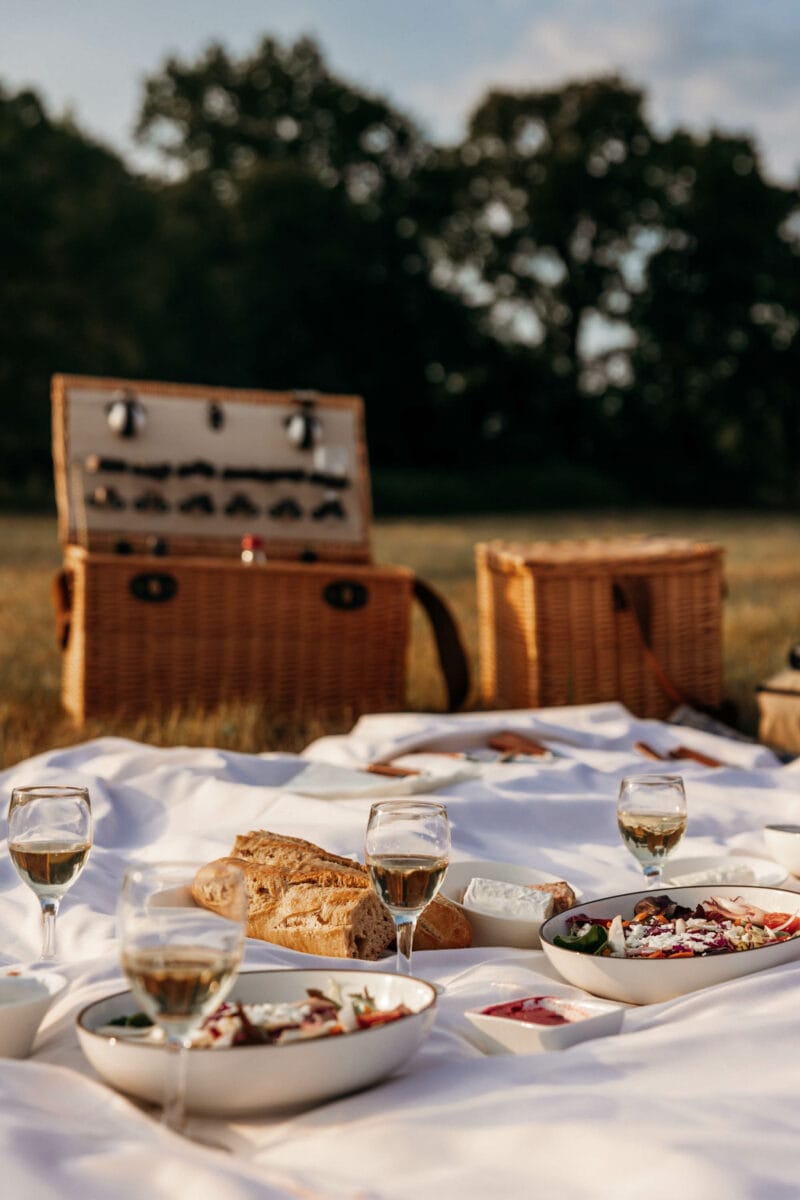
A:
<point x="291" y="910"/>
<point x="441" y="926"/>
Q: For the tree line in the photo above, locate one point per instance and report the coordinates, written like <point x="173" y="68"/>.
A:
<point x="565" y="294"/>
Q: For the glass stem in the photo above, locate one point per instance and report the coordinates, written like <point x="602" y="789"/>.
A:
<point x="174" y="1111"/>
<point x="404" y="928"/>
<point x="49" y="913"/>
<point x="652" y="873"/>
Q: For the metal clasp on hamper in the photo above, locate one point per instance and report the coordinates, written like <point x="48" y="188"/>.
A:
<point x="153" y="586"/>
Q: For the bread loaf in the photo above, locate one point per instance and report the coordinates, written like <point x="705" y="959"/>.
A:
<point x="308" y="899"/>
<point x="290" y="909"/>
<point x="292" y="854"/>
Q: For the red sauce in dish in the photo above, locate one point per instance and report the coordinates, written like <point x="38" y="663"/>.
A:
<point x="535" y="1010"/>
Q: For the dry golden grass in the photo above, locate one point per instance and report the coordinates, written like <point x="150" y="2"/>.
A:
<point x="762" y="619"/>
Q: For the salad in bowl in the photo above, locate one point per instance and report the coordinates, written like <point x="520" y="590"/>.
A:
<point x="645" y="947"/>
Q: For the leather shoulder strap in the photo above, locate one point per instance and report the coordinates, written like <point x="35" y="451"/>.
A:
<point x="62" y="605"/>
<point x="633" y="595"/>
<point x="449" y="645"/>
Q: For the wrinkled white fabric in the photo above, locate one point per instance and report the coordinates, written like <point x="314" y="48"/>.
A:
<point x="695" y="1097"/>
<point x="326" y="781"/>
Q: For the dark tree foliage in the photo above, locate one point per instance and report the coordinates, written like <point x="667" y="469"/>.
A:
<point x="328" y="284"/>
<point x="546" y="199"/>
<point x="73" y="283"/>
<point x="195" y="259"/>
<point x="563" y="287"/>
<point x="223" y="116"/>
<point x="717" y="356"/>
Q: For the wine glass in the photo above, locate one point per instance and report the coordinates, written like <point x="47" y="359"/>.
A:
<point x="407" y="851"/>
<point x="651" y="814"/>
<point x="181" y="959"/>
<point x="49" y="839"/>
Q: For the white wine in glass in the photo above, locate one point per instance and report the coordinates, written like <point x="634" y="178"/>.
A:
<point x="49" y="839"/>
<point x="407" y="851"/>
<point x="181" y="960"/>
<point x="651" y="815"/>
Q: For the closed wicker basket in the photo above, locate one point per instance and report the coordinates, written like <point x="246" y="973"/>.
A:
<point x="637" y="620"/>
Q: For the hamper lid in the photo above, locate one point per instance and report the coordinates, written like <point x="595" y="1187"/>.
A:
<point x="593" y="552"/>
<point x="201" y="467"/>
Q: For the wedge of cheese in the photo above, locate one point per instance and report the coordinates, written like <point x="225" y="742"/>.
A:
<point x="494" y="898"/>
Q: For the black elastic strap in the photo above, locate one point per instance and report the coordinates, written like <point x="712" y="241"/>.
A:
<point x="449" y="646"/>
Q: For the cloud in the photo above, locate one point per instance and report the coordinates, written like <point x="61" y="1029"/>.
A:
<point x="737" y="75"/>
<point x="729" y="64"/>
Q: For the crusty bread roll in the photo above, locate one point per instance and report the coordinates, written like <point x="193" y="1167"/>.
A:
<point x="442" y="926"/>
<point x="308" y="899"/>
<point x="288" y="908"/>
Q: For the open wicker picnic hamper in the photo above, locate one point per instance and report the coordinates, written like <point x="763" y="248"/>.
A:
<point x="157" y="485"/>
<point x="632" y="619"/>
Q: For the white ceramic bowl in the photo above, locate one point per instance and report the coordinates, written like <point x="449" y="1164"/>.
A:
<point x="648" y="981"/>
<point x="783" y="843"/>
<point x="24" y="999"/>
<point x="238" y="1080"/>
<point x="585" y="1018"/>
<point x="488" y="930"/>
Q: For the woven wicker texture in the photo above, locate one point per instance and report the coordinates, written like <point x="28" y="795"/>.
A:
<point x="298" y="638"/>
<point x="197" y="626"/>
<point x="632" y="619"/>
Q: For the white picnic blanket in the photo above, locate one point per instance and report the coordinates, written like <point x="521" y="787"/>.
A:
<point x="695" y="1097"/>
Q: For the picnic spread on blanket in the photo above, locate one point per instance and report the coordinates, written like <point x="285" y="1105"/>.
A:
<point x="551" y="946"/>
<point x="526" y="791"/>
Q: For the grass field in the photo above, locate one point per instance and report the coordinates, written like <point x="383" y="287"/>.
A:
<point x="762" y="619"/>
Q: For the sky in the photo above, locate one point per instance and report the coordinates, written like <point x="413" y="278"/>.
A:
<point x="732" y="65"/>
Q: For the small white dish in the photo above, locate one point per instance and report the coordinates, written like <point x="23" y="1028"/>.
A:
<point x="25" y="997"/>
<point x="487" y="929"/>
<point x="783" y="843"/>
<point x="237" y="1080"/>
<point x="755" y="872"/>
<point x="583" y="1019"/>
